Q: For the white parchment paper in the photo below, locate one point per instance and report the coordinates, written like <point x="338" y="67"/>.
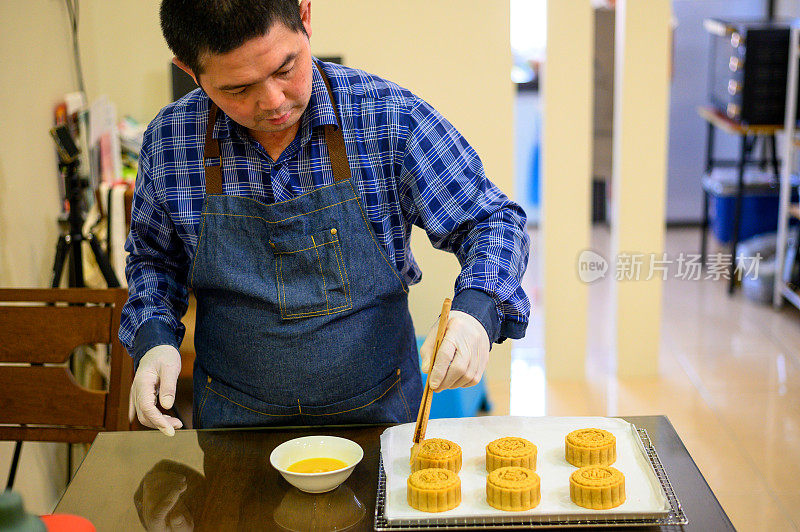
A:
<point x="644" y="495"/>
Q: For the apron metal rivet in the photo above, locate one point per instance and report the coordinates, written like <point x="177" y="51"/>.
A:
<point x="333" y="231"/>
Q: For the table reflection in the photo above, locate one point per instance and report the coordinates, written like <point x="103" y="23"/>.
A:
<point x="237" y="490"/>
<point x="169" y="497"/>
<point x="339" y="509"/>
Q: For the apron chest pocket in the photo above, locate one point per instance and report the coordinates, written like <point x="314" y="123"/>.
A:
<point x="311" y="275"/>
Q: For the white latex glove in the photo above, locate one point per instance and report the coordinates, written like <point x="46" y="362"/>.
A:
<point x="462" y="356"/>
<point x="156" y="377"/>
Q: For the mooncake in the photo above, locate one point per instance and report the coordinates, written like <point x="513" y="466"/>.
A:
<point x="438" y="452"/>
<point x="513" y="489"/>
<point x="590" y="447"/>
<point x="433" y="490"/>
<point x="597" y="487"/>
<point x="510" y="451"/>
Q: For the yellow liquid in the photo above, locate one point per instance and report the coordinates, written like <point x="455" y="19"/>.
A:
<point x="316" y="465"/>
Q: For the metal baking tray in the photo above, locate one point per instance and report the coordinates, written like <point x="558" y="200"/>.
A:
<point x="675" y="517"/>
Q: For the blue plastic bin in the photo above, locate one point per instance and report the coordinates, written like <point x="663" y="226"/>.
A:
<point x="759" y="215"/>
<point x="759" y="206"/>
<point x="461" y="402"/>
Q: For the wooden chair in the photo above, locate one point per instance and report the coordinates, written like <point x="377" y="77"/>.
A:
<point x="39" y="397"/>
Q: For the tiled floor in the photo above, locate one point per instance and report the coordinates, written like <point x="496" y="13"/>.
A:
<point x="729" y="381"/>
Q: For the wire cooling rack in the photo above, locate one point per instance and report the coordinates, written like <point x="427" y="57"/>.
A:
<point x="672" y="520"/>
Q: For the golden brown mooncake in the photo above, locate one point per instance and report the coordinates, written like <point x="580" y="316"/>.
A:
<point x="597" y="487"/>
<point x="438" y="452"/>
<point x="513" y="489"/>
<point x="585" y="447"/>
<point x="433" y="490"/>
<point x="510" y="451"/>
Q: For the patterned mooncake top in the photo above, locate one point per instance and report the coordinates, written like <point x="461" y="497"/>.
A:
<point x="513" y="478"/>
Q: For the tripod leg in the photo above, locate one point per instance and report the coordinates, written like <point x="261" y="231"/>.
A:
<point x="76" y="262"/>
<point x="58" y="265"/>
<point x="69" y="462"/>
<point x="14" y="463"/>
<point x="103" y="262"/>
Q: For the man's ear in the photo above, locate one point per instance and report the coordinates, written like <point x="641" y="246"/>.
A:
<point x="305" y="16"/>
<point x="183" y="66"/>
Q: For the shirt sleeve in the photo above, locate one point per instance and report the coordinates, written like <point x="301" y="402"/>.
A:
<point x="446" y="192"/>
<point x="156" y="269"/>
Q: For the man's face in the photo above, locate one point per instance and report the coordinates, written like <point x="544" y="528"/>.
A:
<point x="265" y="84"/>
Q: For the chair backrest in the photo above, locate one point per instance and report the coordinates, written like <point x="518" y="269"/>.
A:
<point x="39" y="397"/>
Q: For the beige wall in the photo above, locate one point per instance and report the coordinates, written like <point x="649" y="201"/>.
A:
<point x="455" y="54"/>
<point x="566" y="158"/>
<point x="641" y="81"/>
<point x="35" y="72"/>
<point x="123" y="56"/>
<point x="466" y="79"/>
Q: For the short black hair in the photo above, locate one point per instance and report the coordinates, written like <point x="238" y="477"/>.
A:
<point x="196" y="27"/>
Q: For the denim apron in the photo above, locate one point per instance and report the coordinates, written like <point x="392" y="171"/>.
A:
<point x="301" y="318"/>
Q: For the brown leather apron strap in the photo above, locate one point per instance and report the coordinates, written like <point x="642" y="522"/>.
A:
<point x="213" y="173"/>
<point x="335" y="141"/>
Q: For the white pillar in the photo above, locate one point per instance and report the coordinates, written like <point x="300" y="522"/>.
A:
<point x="566" y="183"/>
<point x="641" y="102"/>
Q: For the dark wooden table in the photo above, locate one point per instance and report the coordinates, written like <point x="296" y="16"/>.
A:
<point x="222" y="480"/>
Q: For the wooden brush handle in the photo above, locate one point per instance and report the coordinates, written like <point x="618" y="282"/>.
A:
<point x="427" y="394"/>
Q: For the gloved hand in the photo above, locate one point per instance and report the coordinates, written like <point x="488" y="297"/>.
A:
<point x="462" y="356"/>
<point x="157" y="376"/>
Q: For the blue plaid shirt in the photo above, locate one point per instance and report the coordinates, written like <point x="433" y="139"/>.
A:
<point x="409" y="165"/>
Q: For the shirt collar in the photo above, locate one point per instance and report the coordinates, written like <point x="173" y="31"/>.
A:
<point x="222" y="128"/>
<point x="319" y="111"/>
<point x="320" y="108"/>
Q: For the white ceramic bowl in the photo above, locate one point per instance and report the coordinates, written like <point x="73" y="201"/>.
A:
<point x="287" y="453"/>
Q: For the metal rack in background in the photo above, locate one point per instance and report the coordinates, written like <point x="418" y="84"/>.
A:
<point x="781" y="288"/>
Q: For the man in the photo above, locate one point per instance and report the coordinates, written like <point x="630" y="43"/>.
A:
<point x="283" y="193"/>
